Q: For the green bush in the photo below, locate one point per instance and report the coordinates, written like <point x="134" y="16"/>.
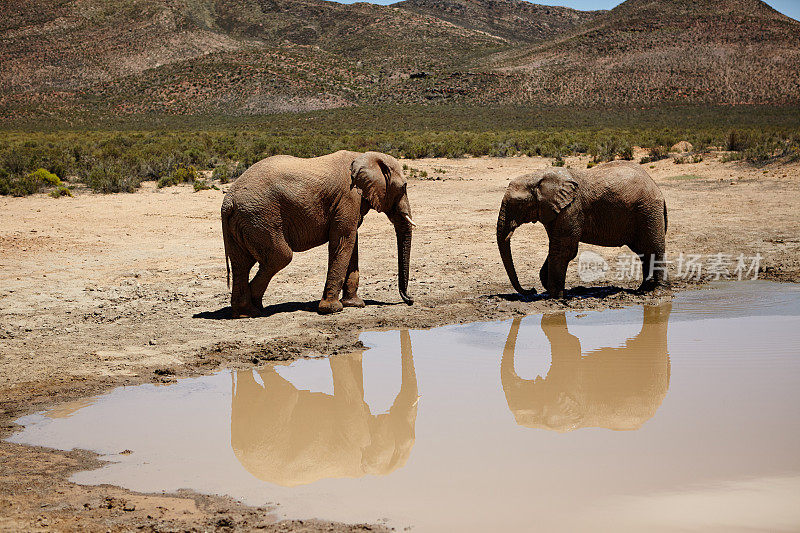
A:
<point x="221" y="174"/>
<point x="626" y="152"/>
<point x="24" y="184"/>
<point x="203" y="185"/>
<point x="688" y="158"/>
<point x="657" y="153"/>
<point x="60" y="191"/>
<point x="119" y="160"/>
<point x="178" y="175"/>
<point x="110" y="177"/>
<point x="44" y="177"/>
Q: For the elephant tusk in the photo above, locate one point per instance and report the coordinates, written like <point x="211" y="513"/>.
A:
<point x="510" y="234"/>
<point x="410" y="221"/>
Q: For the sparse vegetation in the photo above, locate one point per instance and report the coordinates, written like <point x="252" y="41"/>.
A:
<point x="688" y="158"/>
<point x="119" y="160"/>
<point x="60" y="191"/>
<point x="657" y="153"/>
<point x="178" y="175"/>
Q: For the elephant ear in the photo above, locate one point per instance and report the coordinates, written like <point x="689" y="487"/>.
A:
<point x="553" y="193"/>
<point x="371" y="172"/>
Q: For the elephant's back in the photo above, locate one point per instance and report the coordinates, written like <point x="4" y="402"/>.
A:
<point x="288" y="174"/>
<point x="626" y="178"/>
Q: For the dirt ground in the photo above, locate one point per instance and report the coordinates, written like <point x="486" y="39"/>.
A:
<point x="99" y="291"/>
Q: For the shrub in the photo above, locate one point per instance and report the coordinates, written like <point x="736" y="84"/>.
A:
<point x="733" y="156"/>
<point x="657" y="153"/>
<point x="221" y="174"/>
<point x="60" y="191"/>
<point x="24" y="184"/>
<point x="203" y="185"/>
<point x="109" y="177"/>
<point x="626" y="152"/>
<point x="44" y="177"/>
<point x="558" y="161"/>
<point x="238" y="170"/>
<point x="688" y="158"/>
<point x="178" y="175"/>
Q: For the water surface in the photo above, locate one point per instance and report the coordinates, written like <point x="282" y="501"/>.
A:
<point x="682" y="416"/>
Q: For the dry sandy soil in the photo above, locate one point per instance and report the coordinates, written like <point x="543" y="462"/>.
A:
<point x="98" y="291"/>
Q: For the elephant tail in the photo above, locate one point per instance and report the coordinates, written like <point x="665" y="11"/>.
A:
<point x="227" y="210"/>
<point x="665" y="217"/>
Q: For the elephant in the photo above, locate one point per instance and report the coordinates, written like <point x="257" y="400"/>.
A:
<point x="613" y="204"/>
<point x="285" y="204"/>
<point x="614" y="388"/>
<point x="294" y="437"/>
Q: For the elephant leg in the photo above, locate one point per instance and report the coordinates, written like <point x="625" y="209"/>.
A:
<point x="653" y="268"/>
<point x="543" y="274"/>
<point x="560" y="254"/>
<point x="340" y="250"/>
<point x="350" y="297"/>
<point x="276" y="259"/>
<point x="241" y="263"/>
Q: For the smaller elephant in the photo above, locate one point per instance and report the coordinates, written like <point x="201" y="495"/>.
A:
<point x="285" y="204"/>
<point x="618" y="388"/>
<point x="613" y="204"/>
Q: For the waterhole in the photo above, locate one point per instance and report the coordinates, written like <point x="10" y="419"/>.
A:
<point x="679" y="416"/>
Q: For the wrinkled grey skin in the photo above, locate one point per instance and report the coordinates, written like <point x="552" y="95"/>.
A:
<point x="286" y="204"/>
<point x="613" y="204"/>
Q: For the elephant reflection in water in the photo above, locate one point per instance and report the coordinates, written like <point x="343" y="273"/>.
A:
<point x="615" y="388"/>
<point x="293" y="437"/>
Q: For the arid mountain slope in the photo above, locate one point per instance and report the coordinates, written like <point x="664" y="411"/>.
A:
<point x="119" y="57"/>
<point x="513" y="20"/>
<point x="714" y="51"/>
<point x="202" y="55"/>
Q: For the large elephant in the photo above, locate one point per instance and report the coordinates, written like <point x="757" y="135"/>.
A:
<point x="285" y="204"/>
<point x="615" y="388"/>
<point x="613" y="204"/>
<point x="293" y="437"/>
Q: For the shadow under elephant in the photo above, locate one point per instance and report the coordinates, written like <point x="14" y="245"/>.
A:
<point x="294" y="437"/>
<point x="615" y="388"/>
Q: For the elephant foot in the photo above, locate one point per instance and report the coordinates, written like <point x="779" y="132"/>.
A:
<point x="653" y="286"/>
<point x="247" y="312"/>
<point x="648" y="286"/>
<point x="556" y="294"/>
<point x="353" y="301"/>
<point x="327" y="307"/>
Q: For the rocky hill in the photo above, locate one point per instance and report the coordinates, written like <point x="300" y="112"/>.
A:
<point x="704" y="51"/>
<point x="513" y="20"/>
<point x="122" y="57"/>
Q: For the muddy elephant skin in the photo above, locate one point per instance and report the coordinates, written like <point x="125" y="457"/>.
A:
<point x="613" y="204"/>
<point x="286" y="204"/>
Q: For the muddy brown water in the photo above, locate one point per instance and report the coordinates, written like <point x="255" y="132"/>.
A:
<point x="681" y="416"/>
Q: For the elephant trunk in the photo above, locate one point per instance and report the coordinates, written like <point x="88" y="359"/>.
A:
<point x="505" y="228"/>
<point x="402" y="228"/>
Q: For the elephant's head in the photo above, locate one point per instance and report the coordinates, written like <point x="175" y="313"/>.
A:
<point x="531" y="198"/>
<point x="381" y="181"/>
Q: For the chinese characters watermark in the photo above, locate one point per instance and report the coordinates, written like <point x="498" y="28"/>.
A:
<point x="690" y="267"/>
